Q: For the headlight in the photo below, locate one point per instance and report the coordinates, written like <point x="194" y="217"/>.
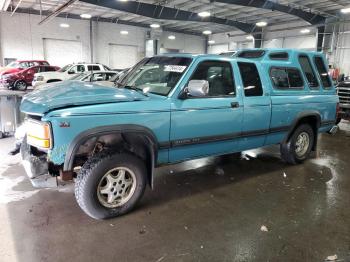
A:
<point x="39" y="78"/>
<point x="38" y="134"/>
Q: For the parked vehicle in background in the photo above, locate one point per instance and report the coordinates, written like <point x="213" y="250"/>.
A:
<point x="99" y="76"/>
<point x="66" y="73"/>
<point x="22" y="79"/>
<point x="173" y="108"/>
<point x="17" y="67"/>
<point x="344" y="100"/>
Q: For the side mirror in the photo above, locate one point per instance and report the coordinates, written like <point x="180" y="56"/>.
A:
<point x="198" y="88"/>
<point x="71" y="72"/>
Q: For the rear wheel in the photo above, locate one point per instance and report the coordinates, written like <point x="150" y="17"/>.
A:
<point x="299" y="146"/>
<point x="20" y="85"/>
<point x="110" y="185"/>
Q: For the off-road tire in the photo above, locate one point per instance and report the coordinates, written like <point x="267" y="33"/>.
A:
<point x="90" y="175"/>
<point x="288" y="152"/>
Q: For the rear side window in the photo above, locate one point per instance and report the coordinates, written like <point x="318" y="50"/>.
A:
<point x="279" y="56"/>
<point x="322" y="72"/>
<point x="251" y="79"/>
<point x="286" y="78"/>
<point x="93" y="68"/>
<point x="308" y="71"/>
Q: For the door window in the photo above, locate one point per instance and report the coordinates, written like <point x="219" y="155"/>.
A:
<point x="77" y="69"/>
<point x="286" y="78"/>
<point x="219" y="76"/>
<point x="308" y="71"/>
<point x="322" y="72"/>
<point x="251" y="79"/>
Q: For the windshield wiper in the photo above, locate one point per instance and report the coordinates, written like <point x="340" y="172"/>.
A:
<point x="135" y="88"/>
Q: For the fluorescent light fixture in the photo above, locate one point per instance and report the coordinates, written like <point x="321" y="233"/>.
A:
<point x="171" y="37"/>
<point x="250" y="37"/>
<point x="122" y="0"/>
<point x="345" y="10"/>
<point x="123" y="32"/>
<point x="204" y="14"/>
<point x="155" y="25"/>
<point x="86" y="16"/>
<point x="261" y="24"/>
<point x="64" y="25"/>
<point x="305" y="31"/>
<point x="210" y="42"/>
<point x="206" y="32"/>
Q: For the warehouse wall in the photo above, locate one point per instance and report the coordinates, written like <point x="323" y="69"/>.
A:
<point x="21" y="37"/>
<point x="275" y="37"/>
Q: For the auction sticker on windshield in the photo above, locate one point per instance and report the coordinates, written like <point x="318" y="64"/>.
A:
<point x="174" y="68"/>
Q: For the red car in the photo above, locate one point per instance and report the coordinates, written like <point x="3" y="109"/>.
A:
<point x="19" y="74"/>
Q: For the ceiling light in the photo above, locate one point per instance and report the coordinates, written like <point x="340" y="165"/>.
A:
<point x="210" y="42"/>
<point x="122" y="0"/>
<point x="155" y="25"/>
<point x="261" y="24"/>
<point x="86" y="16"/>
<point x="207" y="32"/>
<point x="345" y="10"/>
<point x="305" y="31"/>
<point x="123" y="32"/>
<point x="64" y="25"/>
<point x="250" y="37"/>
<point x="171" y="37"/>
<point x="204" y="14"/>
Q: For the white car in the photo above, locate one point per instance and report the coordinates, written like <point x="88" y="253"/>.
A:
<point x="66" y="73"/>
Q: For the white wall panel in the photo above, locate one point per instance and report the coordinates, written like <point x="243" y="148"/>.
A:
<point x="122" y="56"/>
<point x="21" y="37"/>
<point x="62" y="52"/>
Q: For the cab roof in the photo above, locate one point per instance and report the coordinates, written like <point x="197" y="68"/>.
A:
<point x="264" y="57"/>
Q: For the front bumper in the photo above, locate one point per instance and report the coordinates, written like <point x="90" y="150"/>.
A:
<point x="5" y="83"/>
<point x="37" y="168"/>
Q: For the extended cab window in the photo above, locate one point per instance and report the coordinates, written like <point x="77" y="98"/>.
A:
<point x="219" y="76"/>
<point x="286" y="78"/>
<point x="251" y="79"/>
<point x="308" y="71"/>
<point x="322" y="71"/>
<point x="93" y="68"/>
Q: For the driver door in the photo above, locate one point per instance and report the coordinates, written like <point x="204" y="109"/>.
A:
<point x="211" y="124"/>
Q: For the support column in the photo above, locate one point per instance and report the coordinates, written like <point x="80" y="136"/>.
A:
<point x="258" y="40"/>
<point x="320" y="38"/>
<point x="91" y="43"/>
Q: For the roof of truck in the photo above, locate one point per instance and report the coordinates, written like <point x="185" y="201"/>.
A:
<point x="265" y="54"/>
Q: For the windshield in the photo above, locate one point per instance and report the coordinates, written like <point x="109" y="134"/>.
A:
<point x="19" y="65"/>
<point x="65" y="68"/>
<point x="157" y="75"/>
<point x="80" y="76"/>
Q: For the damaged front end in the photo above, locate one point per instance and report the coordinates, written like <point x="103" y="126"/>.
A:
<point x="37" y="167"/>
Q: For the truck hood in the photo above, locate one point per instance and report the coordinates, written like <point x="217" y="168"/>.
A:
<point x="50" y="75"/>
<point x="74" y="93"/>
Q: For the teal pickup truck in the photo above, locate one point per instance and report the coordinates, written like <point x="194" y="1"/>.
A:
<point x="172" y="108"/>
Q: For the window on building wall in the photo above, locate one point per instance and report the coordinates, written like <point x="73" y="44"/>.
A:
<point x="251" y="79"/>
<point x="286" y="78"/>
<point x="308" y="71"/>
<point x="323" y="73"/>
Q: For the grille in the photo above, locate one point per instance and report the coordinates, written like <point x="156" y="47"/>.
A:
<point x="344" y="93"/>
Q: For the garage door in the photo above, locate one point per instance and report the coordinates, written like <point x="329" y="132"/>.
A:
<point x="62" y="52"/>
<point x="122" y="56"/>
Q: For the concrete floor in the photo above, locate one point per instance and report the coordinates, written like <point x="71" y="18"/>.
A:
<point x="205" y="210"/>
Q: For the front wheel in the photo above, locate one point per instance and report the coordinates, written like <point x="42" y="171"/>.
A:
<point x="110" y="185"/>
<point x="299" y="146"/>
<point x="20" y="85"/>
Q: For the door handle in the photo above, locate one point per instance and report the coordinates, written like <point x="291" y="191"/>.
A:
<point x="234" y="104"/>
